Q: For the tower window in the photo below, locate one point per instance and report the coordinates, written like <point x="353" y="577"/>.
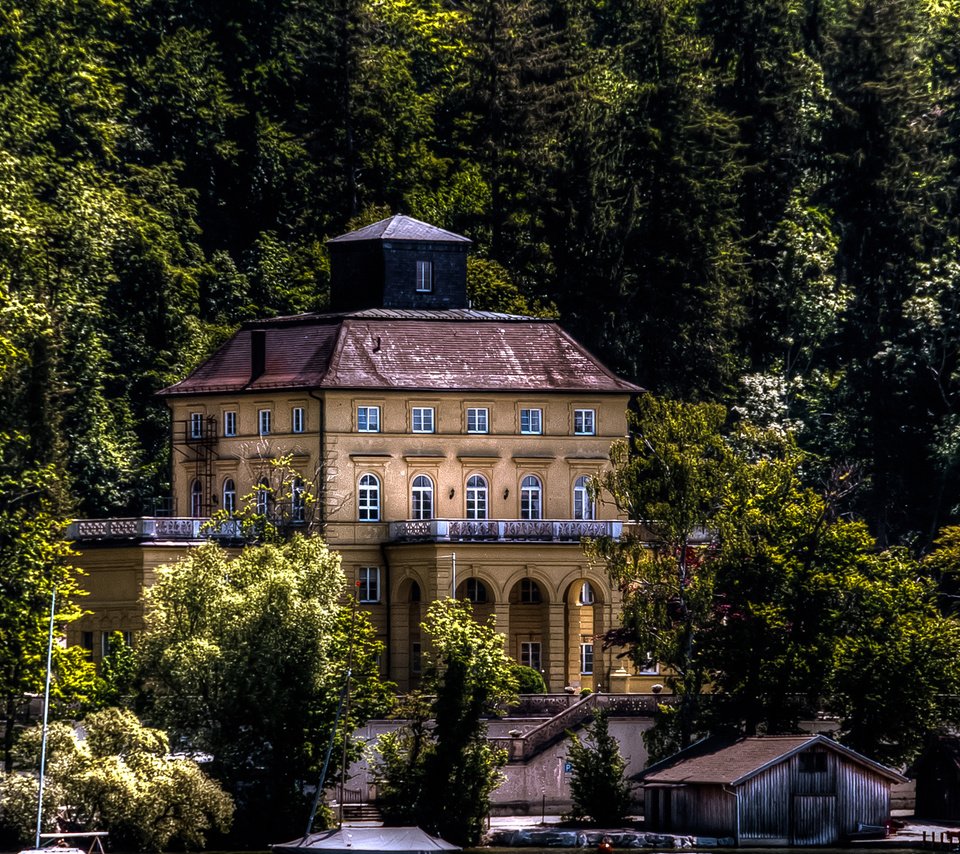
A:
<point x="424" y="277"/>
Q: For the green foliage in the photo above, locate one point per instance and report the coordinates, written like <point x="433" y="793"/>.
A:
<point x="783" y="607"/>
<point x="597" y="785"/>
<point x="441" y="777"/>
<point x="118" y="777"/>
<point x="34" y="561"/>
<point x="244" y="657"/>
<point x="529" y="681"/>
<point x="674" y="477"/>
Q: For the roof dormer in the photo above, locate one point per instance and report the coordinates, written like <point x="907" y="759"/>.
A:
<point x="399" y="262"/>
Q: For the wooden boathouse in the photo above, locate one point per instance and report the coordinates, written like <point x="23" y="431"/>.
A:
<point x="773" y="790"/>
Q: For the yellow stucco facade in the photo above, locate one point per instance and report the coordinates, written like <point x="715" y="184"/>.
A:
<point x="440" y="450"/>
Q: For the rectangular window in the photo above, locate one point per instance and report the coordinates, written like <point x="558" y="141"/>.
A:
<point x="422" y="419"/>
<point x="531" y="420"/>
<point x="813" y="763"/>
<point x="264" y="422"/>
<point x="416" y="658"/>
<point x="297" y="421"/>
<point x="229" y="423"/>
<point x="196" y="425"/>
<point x="369" y="583"/>
<point x="477" y="420"/>
<point x="86" y="641"/>
<point x="107" y="641"/>
<point x="586" y="658"/>
<point x="584" y="422"/>
<point x="649" y="667"/>
<point x="530" y="654"/>
<point x="368" y="419"/>
<point x="424" y="277"/>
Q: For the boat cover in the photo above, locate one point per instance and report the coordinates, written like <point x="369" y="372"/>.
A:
<point x="395" y="840"/>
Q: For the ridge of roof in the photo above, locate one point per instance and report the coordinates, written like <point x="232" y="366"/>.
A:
<point x="446" y="314"/>
<point x="401" y="227"/>
<point x="731" y="762"/>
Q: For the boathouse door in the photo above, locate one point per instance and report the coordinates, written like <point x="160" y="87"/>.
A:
<point x="814" y="820"/>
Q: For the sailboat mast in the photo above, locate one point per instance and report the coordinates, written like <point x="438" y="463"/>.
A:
<point x="46" y="714"/>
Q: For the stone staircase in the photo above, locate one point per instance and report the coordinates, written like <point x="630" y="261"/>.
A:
<point x="523" y="748"/>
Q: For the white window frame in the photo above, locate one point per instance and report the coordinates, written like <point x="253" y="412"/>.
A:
<point x="263" y="422"/>
<point x="368" y="419"/>
<point x="196" y="425"/>
<point x="422" y="419"/>
<point x="531" y="498"/>
<point x="298" y="501"/>
<point x="424" y="277"/>
<point x="262" y="497"/>
<point x="586" y="659"/>
<point x="531" y="654"/>
<point x="652" y="669"/>
<point x="229" y="495"/>
<point x="368" y="498"/>
<point x="421" y="498"/>
<point x="297" y="420"/>
<point x="230" y="422"/>
<point x="478" y="419"/>
<point x="105" y="640"/>
<point x="369" y="578"/>
<point x="584" y="508"/>
<point x="196" y="498"/>
<point x="478" y="497"/>
<point x="531" y="421"/>
<point x="584" y="422"/>
<point x="586" y="596"/>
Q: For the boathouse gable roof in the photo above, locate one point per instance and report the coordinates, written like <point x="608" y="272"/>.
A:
<point x="720" y="762"/>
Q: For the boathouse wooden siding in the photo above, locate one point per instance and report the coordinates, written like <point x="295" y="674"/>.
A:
<point x="816" y="793"/>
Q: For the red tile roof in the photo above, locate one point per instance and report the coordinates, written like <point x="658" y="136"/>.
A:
<point x="382" y="349"/>
<point x="731" y="763"/>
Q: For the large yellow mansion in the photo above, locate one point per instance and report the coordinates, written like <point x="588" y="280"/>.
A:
<point x="439" y="449"/>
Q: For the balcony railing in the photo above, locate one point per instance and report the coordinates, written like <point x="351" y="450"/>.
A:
<point x="148" y="528"/>
<point x="503" y="530"/>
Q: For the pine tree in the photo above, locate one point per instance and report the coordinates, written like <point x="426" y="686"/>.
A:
<point x="597" y="784"/>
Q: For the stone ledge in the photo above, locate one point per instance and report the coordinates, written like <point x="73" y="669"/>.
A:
<point x="560" y="838"/>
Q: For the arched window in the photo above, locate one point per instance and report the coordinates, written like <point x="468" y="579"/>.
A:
<point x="229" y="496"/>
<point x="530" y="592"/>
<point x="586" y="596"/>
<point x="476" y="590"/>
<point x="298" y="502"/>
<point x="263" y="497"/>
<point x="414" y="591"/>
<point x="477" y="497"/>
<point x="583" y="507"/>
<point x="368" y="499"/>
<point x="422" y="497"/>
<point x="196" y="499"/>
<point x="531" y="498"/>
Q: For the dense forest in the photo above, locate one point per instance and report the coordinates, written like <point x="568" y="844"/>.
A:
<point x="752" y="202"/>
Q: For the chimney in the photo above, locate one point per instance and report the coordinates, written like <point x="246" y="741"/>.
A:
<point x="258" y="353"/>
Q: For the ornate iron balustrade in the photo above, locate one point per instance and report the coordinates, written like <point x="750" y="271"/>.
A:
<point x="503" y="530"/>
<point x="151" y="528"/>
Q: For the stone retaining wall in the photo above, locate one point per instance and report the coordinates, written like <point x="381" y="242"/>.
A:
<point x="620" y="839"/>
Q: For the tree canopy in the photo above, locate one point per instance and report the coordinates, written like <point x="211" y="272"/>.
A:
<point x="440" y="777"/>
<point x="781" y="606"/>
<point x="244" y="657"/>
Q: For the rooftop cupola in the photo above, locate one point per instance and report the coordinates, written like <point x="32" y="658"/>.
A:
<point x="398" y="262"/>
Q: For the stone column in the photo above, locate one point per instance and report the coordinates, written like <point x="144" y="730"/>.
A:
<point x="501" y="610"/>
<point x="556" y="643"/>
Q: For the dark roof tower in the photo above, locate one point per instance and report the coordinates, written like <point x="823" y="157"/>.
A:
<point x="399" y="262"/>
